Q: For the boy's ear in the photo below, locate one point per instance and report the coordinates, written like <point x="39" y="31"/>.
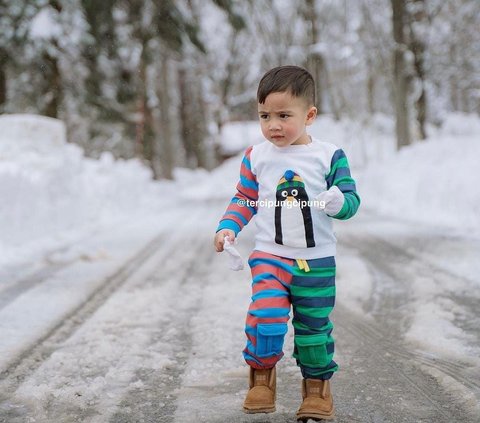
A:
<point x="311" y="115"/>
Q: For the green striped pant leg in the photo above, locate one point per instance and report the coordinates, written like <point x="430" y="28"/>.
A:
<point x="313" y="298"/>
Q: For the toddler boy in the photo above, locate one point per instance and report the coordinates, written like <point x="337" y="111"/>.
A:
<point x="295" y="185"/>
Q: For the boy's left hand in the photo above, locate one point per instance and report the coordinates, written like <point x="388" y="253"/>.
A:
<point x="220" y="239"/>
<point x="333" y="200"/>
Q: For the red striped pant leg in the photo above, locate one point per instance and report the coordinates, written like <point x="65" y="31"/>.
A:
<point x="268" y="314"/>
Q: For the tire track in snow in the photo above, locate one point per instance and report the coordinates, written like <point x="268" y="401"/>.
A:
<point x="155" y="400"/>
<point x="388" y="264"/>
<point x="16" y="281"/>
<point x="17" y="288"/>
<point x="31" y="359"/>
<point x="394" y="360"/>
<point x="448" y="385"/>
<point x="174" y="257"/>
<point x="450" y="368"/>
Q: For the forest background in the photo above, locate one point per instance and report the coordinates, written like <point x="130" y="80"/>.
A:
<point x="158" y="80"/>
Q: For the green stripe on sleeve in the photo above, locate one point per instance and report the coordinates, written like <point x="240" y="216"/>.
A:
<point x="343" y="162"/>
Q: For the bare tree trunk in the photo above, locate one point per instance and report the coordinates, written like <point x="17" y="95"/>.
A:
<point x="400" y="77"/>
<point x="316" y="65"/>
<point x="370" y="88"/>
<point x="417" y="46"/>
<point x="3" y="79"/>
<point x="315" y="60"/>
<point x="54" y="83"/>
<point x="192" y="119"/>
<point x="200" y="127"/>
<point x="145" y="135"/>
<point x="166" y="155"/>
<point x="184" y="115"/>
<point x="465" y="93"/>
<point x="453" y="82"/>
<point x="139" y="127"/>
<point x="53" y="86"/>
<point x="140" y="112"/>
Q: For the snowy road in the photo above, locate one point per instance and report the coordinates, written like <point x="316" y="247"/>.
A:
<point x="151" y="330"/>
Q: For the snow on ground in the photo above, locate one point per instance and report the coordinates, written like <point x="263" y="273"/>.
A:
<point x="100" y="361"/>
<point x="62" y="212"/>
<point x="36" y="311"/>
<point x="58" y="206"/>
<point x="354" y="281"/>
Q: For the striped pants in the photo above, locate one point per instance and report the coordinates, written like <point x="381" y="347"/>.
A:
<point x="309" y="287"/>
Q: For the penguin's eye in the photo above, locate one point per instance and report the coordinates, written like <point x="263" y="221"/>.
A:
<point x="294" y="192"/>
<point x="284" y="194"/>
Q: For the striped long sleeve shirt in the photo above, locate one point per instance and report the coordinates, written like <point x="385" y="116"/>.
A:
<point x="278" y="185"/>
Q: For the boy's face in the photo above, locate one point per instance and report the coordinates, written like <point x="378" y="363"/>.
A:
<point x="283" y="119"/>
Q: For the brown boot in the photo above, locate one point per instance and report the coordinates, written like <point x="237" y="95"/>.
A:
<point x="317" y="400"/>
<point x="261" y="396"/>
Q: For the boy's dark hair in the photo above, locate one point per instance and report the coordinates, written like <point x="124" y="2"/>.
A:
<point x="293" y="79"/>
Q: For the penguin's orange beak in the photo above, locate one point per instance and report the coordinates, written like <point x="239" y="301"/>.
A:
<point x="290" y="199"/>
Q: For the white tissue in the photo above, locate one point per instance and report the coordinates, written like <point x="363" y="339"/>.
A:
<point x="236" y="261"/>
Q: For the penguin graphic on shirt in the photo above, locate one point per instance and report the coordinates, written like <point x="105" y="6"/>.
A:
<point x="293" y="217"/>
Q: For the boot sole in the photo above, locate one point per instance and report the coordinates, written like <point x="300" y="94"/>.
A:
<point x="303" y="417"/>
<point x="259" y="410"/>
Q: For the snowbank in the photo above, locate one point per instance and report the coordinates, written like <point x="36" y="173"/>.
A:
<point x="51" y="193"/>
<point x="431" y="182"/>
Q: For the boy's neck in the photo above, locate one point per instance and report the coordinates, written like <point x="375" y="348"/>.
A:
<point x="304" y="139"/>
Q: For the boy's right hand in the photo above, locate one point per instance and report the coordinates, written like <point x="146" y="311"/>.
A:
<point x="220" y="238"/>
